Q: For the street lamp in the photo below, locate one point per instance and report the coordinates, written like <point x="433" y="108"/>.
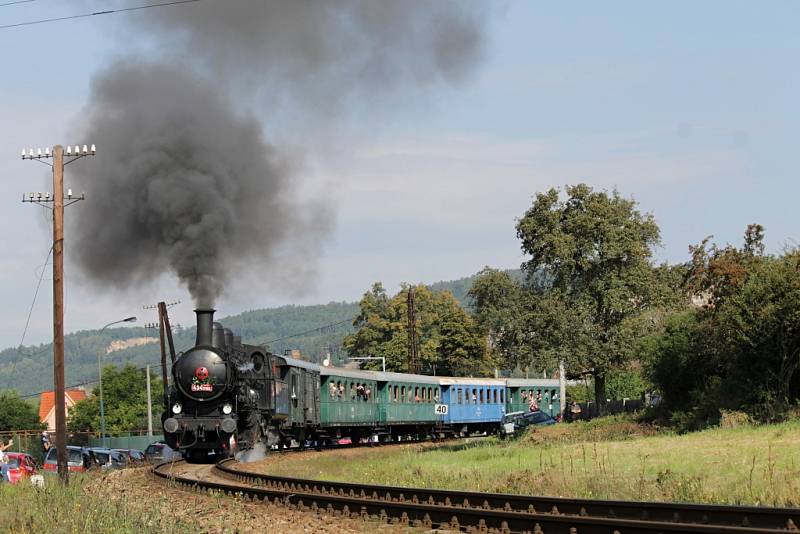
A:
<point x="100" y="372"/>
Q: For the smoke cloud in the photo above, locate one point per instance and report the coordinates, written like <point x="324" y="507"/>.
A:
<point x="185" y="181"/>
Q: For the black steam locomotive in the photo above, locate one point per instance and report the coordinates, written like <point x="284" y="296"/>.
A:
<point x="224" y="395"/>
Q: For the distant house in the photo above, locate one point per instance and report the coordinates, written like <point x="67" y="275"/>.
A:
<point x="47" y="405"/>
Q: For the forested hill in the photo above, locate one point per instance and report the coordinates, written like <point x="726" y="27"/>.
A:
<point x="314" y="330"/>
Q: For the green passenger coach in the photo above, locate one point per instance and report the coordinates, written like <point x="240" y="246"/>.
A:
<point x="544" y="391"/>
<point x="348" y="397"/>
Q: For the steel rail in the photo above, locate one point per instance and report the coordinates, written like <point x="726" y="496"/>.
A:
<point x="304" y="496"/>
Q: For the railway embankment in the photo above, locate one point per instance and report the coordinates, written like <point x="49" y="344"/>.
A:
<point x="612" y="459"/>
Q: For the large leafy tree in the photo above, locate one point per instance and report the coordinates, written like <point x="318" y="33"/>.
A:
<point x="16" y="413"/>
<point x="496" y="299"/>
<point x="740" y="347"/>
<point x="450" y="342"/>
<point x="124" y="402"/>
<point x="590" y="274"/>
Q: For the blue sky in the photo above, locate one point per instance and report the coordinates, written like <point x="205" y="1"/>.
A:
<point x="689" y="107"/>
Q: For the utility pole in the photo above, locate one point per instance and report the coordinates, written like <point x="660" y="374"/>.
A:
<point x="149" y="406"/>
<point x="562" y="388"/>
<point x="58" y="281"/>
<point x="164" y="334"/>
<point x="412" y="333"/>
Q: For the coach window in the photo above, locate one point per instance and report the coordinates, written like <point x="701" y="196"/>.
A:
<point x="502" y="396"/>
<point x="430" y="395"/>
<point x="459" y="397"/>
<point x="403" y="394"/>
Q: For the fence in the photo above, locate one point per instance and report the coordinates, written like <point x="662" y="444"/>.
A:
<point x="29" y="441"/>
<point x="590" y="409"/>
<point x="125" y="442"/>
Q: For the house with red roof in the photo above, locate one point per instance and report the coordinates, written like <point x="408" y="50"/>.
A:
<point x="47" y="405"/>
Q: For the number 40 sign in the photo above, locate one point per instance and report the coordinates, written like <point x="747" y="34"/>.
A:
<point x="440" y="409"/>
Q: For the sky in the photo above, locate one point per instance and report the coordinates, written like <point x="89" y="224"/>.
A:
<point x="690" y="108"/>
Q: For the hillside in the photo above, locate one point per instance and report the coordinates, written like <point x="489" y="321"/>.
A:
<point x="314" y="330"/>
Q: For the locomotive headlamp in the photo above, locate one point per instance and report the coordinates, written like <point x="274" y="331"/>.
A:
<point x="227" y="409"/>
<point x="176" y="408"/>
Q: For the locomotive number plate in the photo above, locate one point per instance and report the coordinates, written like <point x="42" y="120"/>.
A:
<point x="202" y="387"/>
<point x="440" y="409"/>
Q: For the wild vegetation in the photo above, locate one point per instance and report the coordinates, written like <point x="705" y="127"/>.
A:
<point x="449" y="340"/>
<point x="608" y="458"/>
<point x="83" y="506"/>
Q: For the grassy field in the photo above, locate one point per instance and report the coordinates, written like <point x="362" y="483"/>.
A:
<point x="83" y="506"/>
<point x="613" y="458"/>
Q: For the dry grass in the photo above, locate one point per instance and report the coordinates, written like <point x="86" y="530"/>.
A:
<point x="612" y="459"/>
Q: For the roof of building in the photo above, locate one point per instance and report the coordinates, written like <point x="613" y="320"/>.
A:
<point x="48" y="400"/>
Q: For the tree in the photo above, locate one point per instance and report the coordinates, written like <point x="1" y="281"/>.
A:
<point x="739" y="348"/>
<point x="17" y="414"/>
<point x="590" y="271"/>
<point x="450" y="342"/>
<point x="124" y="402"/>
<point x="495" y="299"/>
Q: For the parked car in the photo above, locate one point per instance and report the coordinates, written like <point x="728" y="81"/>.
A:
<point x="108" y="458"/>
<point x="133" y="456"/>
<point x="78" y="459"/>
<point x="516" y="421"/>
<point x="20" y="465"/>
<point x="161" y="452"/>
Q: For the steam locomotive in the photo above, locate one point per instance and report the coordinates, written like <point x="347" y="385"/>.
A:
<point x="227" y="396"/>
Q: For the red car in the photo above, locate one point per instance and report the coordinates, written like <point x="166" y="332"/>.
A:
<point x="20" y="465"/>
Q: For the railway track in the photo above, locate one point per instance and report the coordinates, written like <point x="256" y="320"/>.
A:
<point x="482" y="512"/>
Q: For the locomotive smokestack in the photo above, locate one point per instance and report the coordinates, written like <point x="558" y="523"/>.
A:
<point x="205" y="326"/>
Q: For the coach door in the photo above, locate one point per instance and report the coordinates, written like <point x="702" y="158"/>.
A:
<point x="310" y="397"/>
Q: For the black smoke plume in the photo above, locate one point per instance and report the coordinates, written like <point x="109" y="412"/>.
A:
<point x="184" y="181"/>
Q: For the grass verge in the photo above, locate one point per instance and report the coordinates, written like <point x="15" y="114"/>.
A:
<point x="82" y="506"/>
<point x="610" y="458"/>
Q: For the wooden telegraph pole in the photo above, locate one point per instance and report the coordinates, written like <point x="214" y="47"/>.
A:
<point x="58" y="280"/>
<point x="58" y="311"/>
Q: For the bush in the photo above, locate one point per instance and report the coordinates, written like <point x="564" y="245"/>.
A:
<point x="734" y="419"/>
<point x="610" y="428"/>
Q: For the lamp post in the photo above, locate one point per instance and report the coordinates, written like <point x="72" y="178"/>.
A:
<point x="100" y="373"/>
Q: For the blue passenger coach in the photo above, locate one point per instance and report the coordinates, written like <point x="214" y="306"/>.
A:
<point x="475" y="404"/>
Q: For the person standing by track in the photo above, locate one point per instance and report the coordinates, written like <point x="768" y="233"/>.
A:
<point x="4" y="461"/>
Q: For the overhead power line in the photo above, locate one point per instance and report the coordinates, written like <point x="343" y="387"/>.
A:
<point x="318" y="329"/>
<point x="96" y="13"/>
<point x="28" y="322"/>
<point x="16" y="2"/>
